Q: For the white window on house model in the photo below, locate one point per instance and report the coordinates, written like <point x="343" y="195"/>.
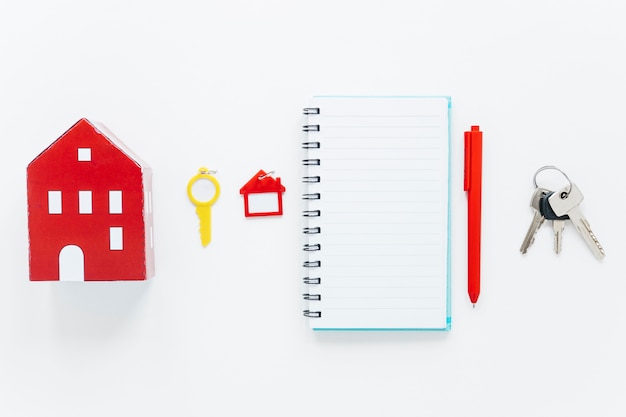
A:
<point x="115" y="202"/>
<point x="55" y="205"/>
<point x="84" y="202"/>
<point x="116" y="238"/>
<point x="84" y="154"/>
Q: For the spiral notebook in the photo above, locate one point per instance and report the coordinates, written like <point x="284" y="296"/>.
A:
<point x="376" y="213"/>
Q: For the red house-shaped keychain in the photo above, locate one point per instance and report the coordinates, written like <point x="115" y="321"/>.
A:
<point x="89" y="209"/>
<point x="263" y="195"/>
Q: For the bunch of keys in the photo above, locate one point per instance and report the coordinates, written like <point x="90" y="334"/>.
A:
<point x="558" y="207"/>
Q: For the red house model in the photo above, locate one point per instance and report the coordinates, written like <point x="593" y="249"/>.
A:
<point x="89" y="209"/>
<point x="263" y="195"/>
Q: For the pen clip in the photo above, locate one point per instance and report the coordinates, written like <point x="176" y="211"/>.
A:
<point x="473" y="158"/>
<point x="468" y="161"/>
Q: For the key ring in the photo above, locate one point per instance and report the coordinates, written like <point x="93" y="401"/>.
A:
<point x="261" y="177"/>
<point x="203" y="173"/>
<point x="544" y="168"/>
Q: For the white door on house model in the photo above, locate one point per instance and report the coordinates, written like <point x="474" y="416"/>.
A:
<point x="71" y="264"/>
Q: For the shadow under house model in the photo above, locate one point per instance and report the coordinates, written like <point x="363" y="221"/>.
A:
<point x="89" y="209"/>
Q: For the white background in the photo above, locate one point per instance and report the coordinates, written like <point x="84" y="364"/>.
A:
<point x="219" y="330"/>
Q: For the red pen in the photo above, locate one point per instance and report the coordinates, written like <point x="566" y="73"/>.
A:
<point x="473" y="186"/>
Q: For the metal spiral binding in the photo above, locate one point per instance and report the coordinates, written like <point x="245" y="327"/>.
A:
<point x="311" y="196"/>
<point x="312" y="247"/>
<point x="312" y="314"/>
<point x="312" y="297"/>
<point x="312" y="281"/>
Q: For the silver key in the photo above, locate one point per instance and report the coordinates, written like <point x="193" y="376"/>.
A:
<point x="538" y="219"/>
<point x="563" y="203"/>
<point x="558" y="222"/>
<point x="558" y="226"/>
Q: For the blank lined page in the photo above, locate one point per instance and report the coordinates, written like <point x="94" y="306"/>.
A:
<point x="383" y="200"/>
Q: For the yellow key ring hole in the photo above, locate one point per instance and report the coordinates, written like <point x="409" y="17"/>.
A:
<point x="203" y="174"/>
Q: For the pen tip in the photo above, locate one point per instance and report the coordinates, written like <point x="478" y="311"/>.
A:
<point x="473" y="305"/>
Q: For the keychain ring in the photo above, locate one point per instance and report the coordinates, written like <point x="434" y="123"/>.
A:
<point x="544" y="168"/>
<point x="269" y="174"/>
<point x="203" y="173"/>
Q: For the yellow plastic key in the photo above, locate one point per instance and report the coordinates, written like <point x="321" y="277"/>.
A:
<point x="203" y="208"/>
